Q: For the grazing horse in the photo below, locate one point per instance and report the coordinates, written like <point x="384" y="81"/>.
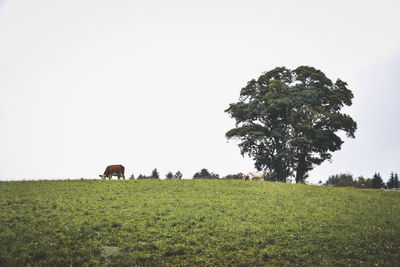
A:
<point x="254" y="176"/>
<point x="113" y="170"/>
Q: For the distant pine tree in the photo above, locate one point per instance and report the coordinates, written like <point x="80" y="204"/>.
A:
<point x="377" y="181"/>
<point x="178" y="175"/>
<point x="132" y="176"/>
<point x="396" y="181"/>
<point x="391" y="182"/>
<point x="169" y="175"/>
<point x="155" y="174"/>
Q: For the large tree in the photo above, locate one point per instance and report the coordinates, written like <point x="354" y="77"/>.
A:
<point x="288" y="120"/>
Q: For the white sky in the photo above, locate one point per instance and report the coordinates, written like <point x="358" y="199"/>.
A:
<point x="85" y="84"/>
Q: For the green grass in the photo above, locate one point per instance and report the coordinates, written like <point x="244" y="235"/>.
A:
<point x="195" y="223"/>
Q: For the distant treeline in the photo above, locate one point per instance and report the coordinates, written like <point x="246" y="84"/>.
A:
<point x="202" y="174"/>
<point x="346" y="179"/>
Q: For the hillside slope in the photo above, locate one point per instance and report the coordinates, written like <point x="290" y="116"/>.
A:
<point x="195" y="222"/>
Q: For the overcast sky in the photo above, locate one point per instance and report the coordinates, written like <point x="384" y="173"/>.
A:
<point x="86" y="84"/>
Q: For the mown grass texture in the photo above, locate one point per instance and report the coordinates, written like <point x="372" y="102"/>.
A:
<point x="195" y="223"/>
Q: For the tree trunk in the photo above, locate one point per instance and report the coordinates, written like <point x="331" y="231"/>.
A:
<point x="280" y="171"/>
<point x="301" y="169"/>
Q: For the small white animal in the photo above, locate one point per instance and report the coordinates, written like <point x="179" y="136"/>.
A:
<point x="254" y="175"/>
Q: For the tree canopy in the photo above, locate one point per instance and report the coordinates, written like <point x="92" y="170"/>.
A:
<point x="205" y="174"/>
<point x="342" y="179"/>
<point x="288" y="120"/>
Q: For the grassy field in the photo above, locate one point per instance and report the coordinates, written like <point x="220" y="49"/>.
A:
<point x="195" y="223"/>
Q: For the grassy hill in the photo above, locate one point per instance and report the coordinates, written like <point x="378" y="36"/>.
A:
<point x="195" y="222"/>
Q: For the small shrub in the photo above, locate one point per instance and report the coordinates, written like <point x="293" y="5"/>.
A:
<point x="234" y="176"/>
